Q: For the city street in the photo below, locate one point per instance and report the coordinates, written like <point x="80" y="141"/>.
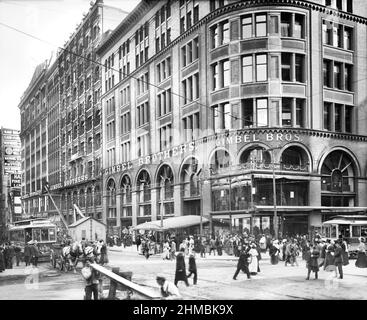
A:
<point x="214" y="280"/>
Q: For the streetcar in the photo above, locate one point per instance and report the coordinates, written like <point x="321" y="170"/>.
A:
<point x="41" y="230"/>
<point x="350" y="227"/>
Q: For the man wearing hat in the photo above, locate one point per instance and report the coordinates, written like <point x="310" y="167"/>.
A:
<point x="27" y="253"/>
<point x="168" y="290"/>
<point x="34" y="253"/>
<point x="338" y="258"/>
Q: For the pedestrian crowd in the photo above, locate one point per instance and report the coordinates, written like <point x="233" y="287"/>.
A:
<point x="12" y="255"/>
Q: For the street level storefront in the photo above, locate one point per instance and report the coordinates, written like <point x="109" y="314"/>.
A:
<point x="230" y="179"/>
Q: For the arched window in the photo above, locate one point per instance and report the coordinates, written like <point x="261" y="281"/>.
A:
<point x="126" y="198"/>
<point x="144" y="194"/>
<point x="165" y="182"/>
<point x="256" y="155"/>
<point x="294" y="158"/>
<point x="338" y="180"/>
<point x="189" y="178"/>
<point x="220" y="159"/>
<point x="111" y="199"/>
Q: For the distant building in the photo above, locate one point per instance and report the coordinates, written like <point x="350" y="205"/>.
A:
<point x="10" y="177"/>
<point x="60" y="123"/>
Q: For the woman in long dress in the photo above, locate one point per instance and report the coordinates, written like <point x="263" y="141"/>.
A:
<point x="253" y="267"/>
<point x="345" y="252"/>
<point x="361" y="258"/>
<point x="329" y="258"/>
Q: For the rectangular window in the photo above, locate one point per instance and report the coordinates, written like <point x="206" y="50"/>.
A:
<point x="327" y="115"/>
<point x="226" y="75"/>
<point x="348" y="77"/>
<point x="196" y="14"/>
<point x="286" y="66"/>
<point x="326" y="73"/>
<point x="262" y="112"/>
<point x="285" y="24"/>
<point x="287" y="112"/>
<point x="337" y="75"/>
<point x="348" y="38"/>
<point x="299" y="23"/>
<point x="182" y="25"/>
<point x="299" y="67"/>
<point x="260" y="25"/>
<point x="214" y="36"/>
<point x="227" y="116"/>
<point x="216" y="119"/>
<point x="327" y="32"/>
<point x="183" y="55"/>
<point x="348" y="118"/>
<point x="337" y="33"/>
<point x="188" y="19"/>
<point x="225" y="32"/>
<point x="261" y="67"/>
<point x="300" y="107"/>
<point x="215" y="79"/>
<point x="350" y="6"/>
<point x="339" y="4"/>
<point x="247" y="27"/>
<point x="195" y="49"/>
<point x="189" y="52"/>
<point x="247" y="69"/>
<point x="338" y="117"/>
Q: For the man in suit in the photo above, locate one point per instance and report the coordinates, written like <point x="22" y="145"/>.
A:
<point x="243" y="263"/>
<point x="27" y="253"/>
<point x="338" y="256"/>
<point x="34" y="254"/>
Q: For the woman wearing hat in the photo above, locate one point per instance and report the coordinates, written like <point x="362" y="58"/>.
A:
<point x="253" y="267"/>
<point x="361" y="258"/>
<point x="311" y="257"/>
<point x="329" y="264"/>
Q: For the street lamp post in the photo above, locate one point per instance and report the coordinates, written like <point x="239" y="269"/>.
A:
<point x="275" y="194"/>
<point x="275" y="202"/>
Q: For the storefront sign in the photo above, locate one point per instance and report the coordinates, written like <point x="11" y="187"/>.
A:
<point x="15" y="180"/>
<point x="75" y="180"/>
<point x="256" y="137"/>
<point x="220" y="140"/>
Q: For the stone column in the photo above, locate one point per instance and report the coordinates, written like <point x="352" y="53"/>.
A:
<point x="118" y="209"/>
<point x="154" y="203"/>
<point x="134" y="208"/>
<point x="177" y="200"/>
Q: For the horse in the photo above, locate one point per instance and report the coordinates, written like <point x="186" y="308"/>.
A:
<point x="71" y="255"/>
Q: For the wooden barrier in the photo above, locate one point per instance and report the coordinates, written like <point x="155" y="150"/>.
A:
<point x="117" y="280"/>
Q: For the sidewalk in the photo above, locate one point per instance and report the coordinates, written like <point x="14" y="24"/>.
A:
<point x="132" y="250"/>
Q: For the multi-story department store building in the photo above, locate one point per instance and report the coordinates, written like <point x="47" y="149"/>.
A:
<point x="61" y="123"/>
<point x="200" y="99"/>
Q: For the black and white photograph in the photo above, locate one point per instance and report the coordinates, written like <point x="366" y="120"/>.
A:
<point x="183" y="150"/>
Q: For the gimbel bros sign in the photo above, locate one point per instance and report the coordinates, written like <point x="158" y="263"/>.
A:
<point x="220" y="140"/>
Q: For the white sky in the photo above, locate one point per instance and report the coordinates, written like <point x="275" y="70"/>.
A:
<point x="50" y="20"/>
